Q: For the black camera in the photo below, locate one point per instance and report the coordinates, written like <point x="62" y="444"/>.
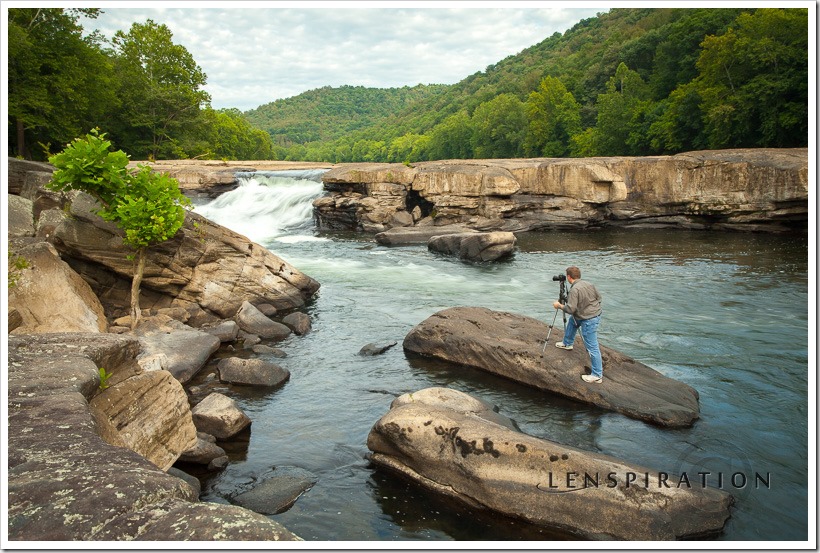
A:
<point x="559" y="278"/>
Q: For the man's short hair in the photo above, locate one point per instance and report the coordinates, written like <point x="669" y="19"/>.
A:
<point x="574" y="272"/>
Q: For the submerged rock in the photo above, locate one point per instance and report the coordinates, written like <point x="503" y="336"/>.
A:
<point x="277" y="492"/>
<point x="510" y="345"/>
<point x="376" y="349"/>
<point x="449" y="448"/>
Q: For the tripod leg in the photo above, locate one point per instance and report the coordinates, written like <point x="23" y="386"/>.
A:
<point x="549" y="332"/>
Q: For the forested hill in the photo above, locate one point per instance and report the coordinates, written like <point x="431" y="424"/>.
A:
<point x="627" y="82"/>
<point x="329" y="113"/>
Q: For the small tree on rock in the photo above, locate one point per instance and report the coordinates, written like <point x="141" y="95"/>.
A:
<point x="148" y="207"/>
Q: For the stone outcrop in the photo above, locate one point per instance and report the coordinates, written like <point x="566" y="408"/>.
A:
<point x="204" y="265"/>
<point x="510" y="345"/>
<point x="474" y="246"/>
<point x="449" y="448"/>
<point x="51" y="297"/>
<point x="298" y="322"/>
<point x="20" y="216"/>
<point x="754" y="189"/>
<point x="66" y="483"/>
<point x="19" y="169"/>
<point x="151" y="415"/>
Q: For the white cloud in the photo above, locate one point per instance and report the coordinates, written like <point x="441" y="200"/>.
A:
<point x="258" y="54"/>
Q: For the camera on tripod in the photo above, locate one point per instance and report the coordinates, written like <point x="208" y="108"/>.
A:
<point x="563" y="294"/>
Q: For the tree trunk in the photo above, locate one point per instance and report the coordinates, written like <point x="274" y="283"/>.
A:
<point x="21" y="138"/>
<point x="136" y="281"/>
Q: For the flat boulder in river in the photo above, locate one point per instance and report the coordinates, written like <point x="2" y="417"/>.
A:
<point x="510" y="345"/>
<point x="449" y="447"/>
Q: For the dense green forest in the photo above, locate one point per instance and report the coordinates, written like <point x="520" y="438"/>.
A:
<point x="141" y="89"/>
<point x="627" y="82"/>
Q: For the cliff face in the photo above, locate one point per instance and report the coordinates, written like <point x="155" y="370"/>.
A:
<point x="760" y="190"/>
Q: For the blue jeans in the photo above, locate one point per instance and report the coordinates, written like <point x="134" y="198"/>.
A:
<point x="589" y="331"/>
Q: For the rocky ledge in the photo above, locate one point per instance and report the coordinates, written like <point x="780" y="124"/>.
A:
<point x="511" y="345"/>
<point x="749" y="189"/>
<point x="445" y="441"/>
<point x="72" y="475"/>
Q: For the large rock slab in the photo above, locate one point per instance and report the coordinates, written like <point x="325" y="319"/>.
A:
<point x="151" y="414"/>
<point x="203" y="264"/>
<point x="185" y="349"/>
<point x="474" y="246"/>
<point x="66" y="483"/>
<point x="51" y="297"/>
<point x="454" y="451"/>
<point x="510" y="345"/>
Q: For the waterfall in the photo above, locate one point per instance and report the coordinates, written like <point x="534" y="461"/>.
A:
<point x="269" y="205"/>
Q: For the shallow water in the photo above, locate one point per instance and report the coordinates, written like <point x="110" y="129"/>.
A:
<point x="726" y="313"/>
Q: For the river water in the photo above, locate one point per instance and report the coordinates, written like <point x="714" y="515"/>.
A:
<point x="727" y="313"/>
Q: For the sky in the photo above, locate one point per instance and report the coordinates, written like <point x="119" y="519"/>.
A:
<point x="254" y="53"/>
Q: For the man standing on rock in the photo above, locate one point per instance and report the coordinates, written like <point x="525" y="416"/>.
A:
<point x="584" y="304"/>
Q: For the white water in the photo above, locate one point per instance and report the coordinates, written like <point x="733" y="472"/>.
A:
<point x="269" y="206"/>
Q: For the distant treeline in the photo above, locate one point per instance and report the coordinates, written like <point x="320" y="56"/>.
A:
<point x="627" y="82"/>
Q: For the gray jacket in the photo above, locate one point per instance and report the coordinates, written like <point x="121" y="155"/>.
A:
<point x="583" y="301"/>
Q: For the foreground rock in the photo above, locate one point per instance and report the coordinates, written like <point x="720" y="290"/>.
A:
<point x="510" y="345"/>
<point x="151" y="415"/>
<point x="204" y="265"/>
<point x="743" y="189"/>
<point x="66" y="483"/>
<point x="51" y="297"/>
<point x="474" y="246"/>
<point x="452" y="450"/>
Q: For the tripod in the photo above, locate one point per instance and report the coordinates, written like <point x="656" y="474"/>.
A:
<point x="562" y="299"/>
